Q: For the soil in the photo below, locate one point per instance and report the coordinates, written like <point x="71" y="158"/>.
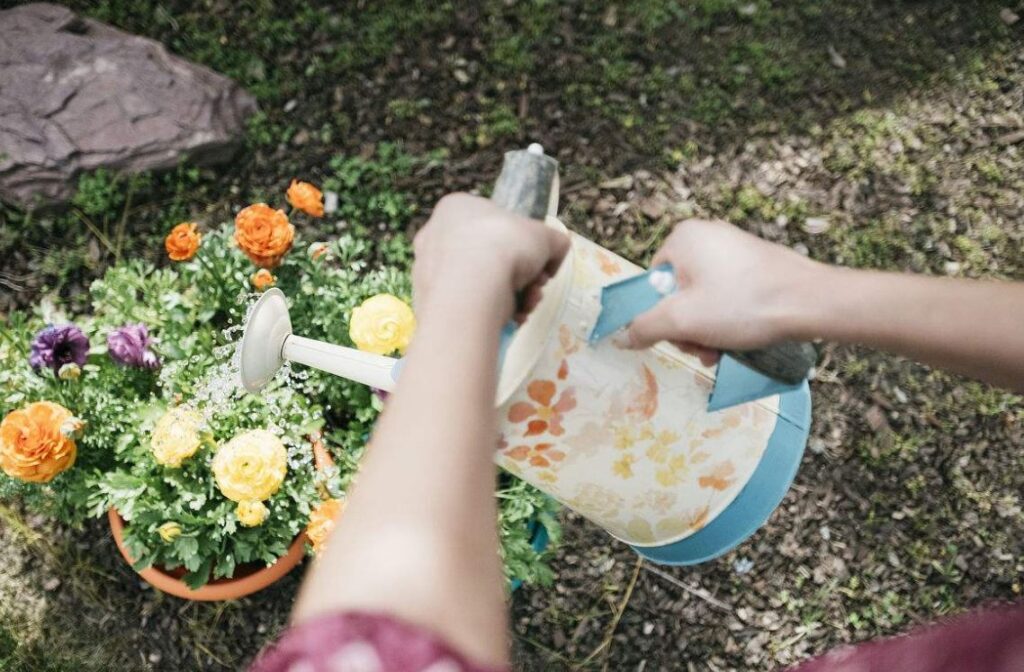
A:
<point x="886" y="135"/>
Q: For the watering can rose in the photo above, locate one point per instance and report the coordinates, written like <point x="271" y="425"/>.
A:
<point x="183" y="241"/>
<point x="33" y="446"/>
<point x="264" y="234"/>
<point x="176" y="437"/>
<point x="321" y="521"/>
<point x="251" y="466"/>
<point x="382" y="325"/>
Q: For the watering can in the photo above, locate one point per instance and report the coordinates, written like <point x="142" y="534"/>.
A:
<point x="678" y="460"/>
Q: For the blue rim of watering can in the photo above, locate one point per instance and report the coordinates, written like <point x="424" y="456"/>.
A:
<point x="539" y="539"/>
<point x="759" y="497"/>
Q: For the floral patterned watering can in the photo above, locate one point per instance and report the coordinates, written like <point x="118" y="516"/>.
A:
<point x="626" y="438"/>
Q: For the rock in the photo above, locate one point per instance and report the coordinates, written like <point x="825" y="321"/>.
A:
<point x="78" y="95"/>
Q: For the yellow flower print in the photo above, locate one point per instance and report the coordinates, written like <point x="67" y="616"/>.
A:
<point x="673" y="472"/>
<point x="623" y="468"/>
<point x="659" y="449"/>
<point x="640" y="531"/>
<point x="690" y="522"/>
<point x="646" y="432"/>
<point x="597" y="501"/>
<point x="659" y="501"/>
<point x="548" y="477"/>
<point x="625" y="437"/>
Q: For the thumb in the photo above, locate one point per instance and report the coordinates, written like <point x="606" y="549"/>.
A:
<point x="661" y="323"/>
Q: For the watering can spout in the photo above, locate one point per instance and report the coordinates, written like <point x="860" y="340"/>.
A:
<point x="355" y="365"/>
<point x="268" y="342"/>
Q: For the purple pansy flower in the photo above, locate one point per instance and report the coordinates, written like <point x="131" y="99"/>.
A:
<point x="129" y="345"/>
<point x="57" y="345"/>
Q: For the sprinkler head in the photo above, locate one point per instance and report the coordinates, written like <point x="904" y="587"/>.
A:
<point x="263" y="340"/>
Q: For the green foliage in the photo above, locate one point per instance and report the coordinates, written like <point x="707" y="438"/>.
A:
<point x="373" y="199"/>
<point x="193" y="310"/>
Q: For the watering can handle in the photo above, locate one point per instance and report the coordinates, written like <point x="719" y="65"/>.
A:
<point x="528" y="183"/>
<point x="789" y="362"/>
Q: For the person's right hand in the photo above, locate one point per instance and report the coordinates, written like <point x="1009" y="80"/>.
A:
<point x="736" y="291"/>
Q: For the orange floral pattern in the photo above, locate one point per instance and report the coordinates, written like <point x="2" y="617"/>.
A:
<point x="622" y="436"/>
<point x="545" y="414"/>
<point x="539" y="455"/>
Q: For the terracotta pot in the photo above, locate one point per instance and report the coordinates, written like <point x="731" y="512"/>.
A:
<point x="247" y="579"/>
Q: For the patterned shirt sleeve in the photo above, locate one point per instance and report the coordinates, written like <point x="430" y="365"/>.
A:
<point x="362" y="642"/>
<point x="983" y="641"/>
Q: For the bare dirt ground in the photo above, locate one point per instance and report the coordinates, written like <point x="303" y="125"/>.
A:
<point x="887" y="135"/>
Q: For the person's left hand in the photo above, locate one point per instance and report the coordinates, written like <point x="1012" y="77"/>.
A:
<point x="471" y="248"/>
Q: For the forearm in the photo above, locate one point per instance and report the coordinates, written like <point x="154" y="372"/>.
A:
<point x="418" y="538"/>
<point x="974" y="328"/>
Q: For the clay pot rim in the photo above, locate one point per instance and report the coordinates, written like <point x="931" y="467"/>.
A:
<point x="231" y="588"/>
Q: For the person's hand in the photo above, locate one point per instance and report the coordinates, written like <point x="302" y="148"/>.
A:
<point x="471" y="248"/>
<point x="736" y="291"/>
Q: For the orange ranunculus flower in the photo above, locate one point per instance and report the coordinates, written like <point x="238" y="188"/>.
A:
<point x="262" y="279"/>
<point x="322" y="521"/>
<point x="182" y="242"/>
<point x="306" y="197"/>
<point x="264" y="234"/>
<point x="33" y="446"/>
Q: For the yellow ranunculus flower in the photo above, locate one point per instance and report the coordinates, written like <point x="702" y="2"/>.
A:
<point x="251" y="466"/>
<point x="251" y="514"/>
<point x="177" y="436"/>
<point x="382" y="325"/>
<point x="169" y="531"/>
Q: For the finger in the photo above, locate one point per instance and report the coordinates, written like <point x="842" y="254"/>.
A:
<point x="534" y="293"/>
<point x="558" y="247"/>
<point x="707" y="356"/>
<point x="660" y="323"/>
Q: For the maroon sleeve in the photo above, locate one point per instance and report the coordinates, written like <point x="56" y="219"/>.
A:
<point x="983" y="641"/>
<point x="361" y="642"/>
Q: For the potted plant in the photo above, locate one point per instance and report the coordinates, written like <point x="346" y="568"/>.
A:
<point x="132" y="412"/>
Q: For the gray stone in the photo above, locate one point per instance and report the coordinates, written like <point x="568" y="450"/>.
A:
<point x="77" y="95"/>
